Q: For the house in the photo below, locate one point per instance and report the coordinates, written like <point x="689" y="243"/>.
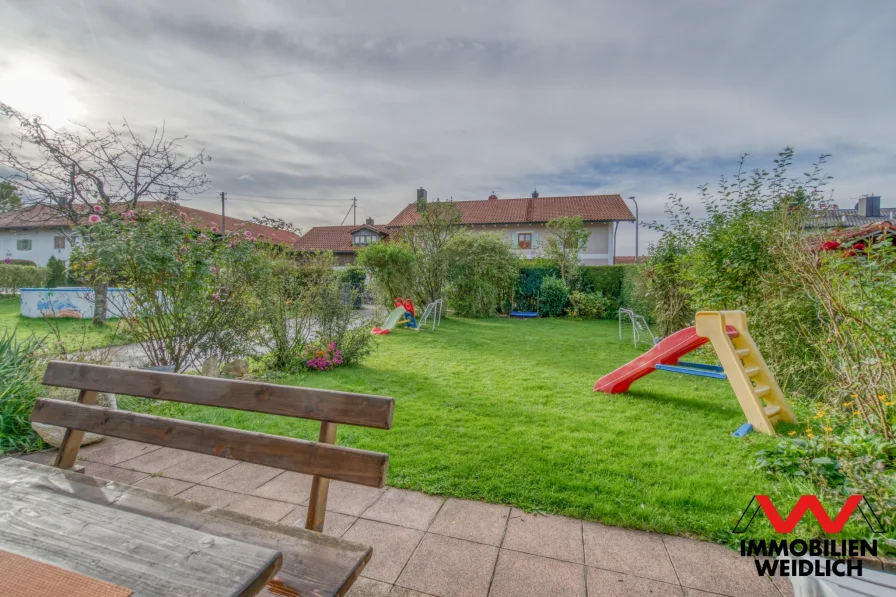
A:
<point x="36" y="232"/>
<point x="523" y="220"/>
<point x="866" y="212"/>
<point x="343" y="241"/>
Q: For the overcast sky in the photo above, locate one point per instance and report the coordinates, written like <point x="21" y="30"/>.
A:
<point x="303" y="105"/>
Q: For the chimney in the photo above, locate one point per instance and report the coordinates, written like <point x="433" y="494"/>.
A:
<point x="869" y="206"/>
<point x="535" y="194"/>
<point x="421" y="195"/>
<point x="493" y="197"/>
<point x="369" y="221"/>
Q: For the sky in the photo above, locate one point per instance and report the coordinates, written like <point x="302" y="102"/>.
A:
<point x="305" y="105"/>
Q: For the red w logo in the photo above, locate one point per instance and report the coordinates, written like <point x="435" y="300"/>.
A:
<point x="808" y="503"/>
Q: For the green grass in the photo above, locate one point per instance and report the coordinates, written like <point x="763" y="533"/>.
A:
<point x="76" y="334"/>
<point x="503" y="411"/>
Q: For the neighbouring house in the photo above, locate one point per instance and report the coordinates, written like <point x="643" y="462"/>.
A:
<point x="37" y="232"/>
<point x="343" y="241"/>
<point x="866" y="212"/>
<point x="630" y="259"/>
<point x="523" y="220"/>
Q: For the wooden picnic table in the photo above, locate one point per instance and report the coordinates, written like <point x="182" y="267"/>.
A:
<point x="156" y="545"/>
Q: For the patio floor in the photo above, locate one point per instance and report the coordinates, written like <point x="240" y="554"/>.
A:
<point x="426" y="545"/>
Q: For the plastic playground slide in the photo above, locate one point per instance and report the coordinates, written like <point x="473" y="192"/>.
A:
<point x="391" y="321"/>
<point x="666" y="352"/>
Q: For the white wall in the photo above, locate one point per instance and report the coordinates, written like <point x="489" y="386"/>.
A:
<point x="42" y="244"/>
<point x="598" y="251"/>
<point x="74" y="302"/>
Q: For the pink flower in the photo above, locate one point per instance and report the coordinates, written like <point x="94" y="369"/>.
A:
<point x="214" y="270"/>
<point x="93" y="219"/>
<point x="7" y="260"/>
<point x="130" y="214"/>
<point x="215" y="229"/>
<point x="247" y="234"/>
<point x="98" y="208"/>
<point x="182" y="214"/>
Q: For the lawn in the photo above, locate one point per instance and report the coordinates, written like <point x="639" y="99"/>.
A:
<point x="503" y="411"/>
<point x="76" y="334"/>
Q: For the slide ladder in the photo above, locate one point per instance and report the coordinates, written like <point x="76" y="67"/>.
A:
<point x="746" y="369"/>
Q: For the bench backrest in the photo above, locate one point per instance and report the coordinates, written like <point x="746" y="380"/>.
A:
<point x="321" y="459"/>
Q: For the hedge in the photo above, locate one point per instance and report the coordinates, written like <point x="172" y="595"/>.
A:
<point x="13" y="277"/>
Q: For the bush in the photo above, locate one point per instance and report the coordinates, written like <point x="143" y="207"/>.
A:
<point x="605" y="279"/>
<point x="9" y="261"/>
<point x="19" y="388"/>
<point x="354" y="279"/>
<point x="554" y="297"/>
<point x="391" y="265"/>
<point x="528" y="286"/>
<point x="56" y="275"/>
<point x="481" y="270"/>
<point x="633" y="293"/>
<point x="13" y="277"/>
<point x="591" y="305"/>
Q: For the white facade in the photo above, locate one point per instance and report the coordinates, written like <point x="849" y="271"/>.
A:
<point x="35" y="244"/>
<point x="599" y="250"/>
<point x="73" y="302"/>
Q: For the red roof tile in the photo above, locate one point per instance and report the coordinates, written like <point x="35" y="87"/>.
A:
<point x="592" y="208"/>
<point x="333" y="238"/>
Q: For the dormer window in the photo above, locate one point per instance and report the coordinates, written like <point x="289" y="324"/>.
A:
<point x="365" y="239"/>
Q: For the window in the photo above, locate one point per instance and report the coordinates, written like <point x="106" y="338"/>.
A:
<point x="58" y="242"/>
<point x="23" y="244"/>
<point x="524" y="240"/>
<point x="365" y="239"/>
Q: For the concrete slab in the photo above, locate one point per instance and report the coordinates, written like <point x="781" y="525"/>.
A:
<point x="392" y="547"/>
<point x="405" y="508"/>
<point x="605" y="583"/>
<point x="156" y="461"/>
<point x="448" y="567"/>
<point x="43" y="457"/>
<point x="715" y="569"/>
<point x="106" y="442"/>
<point x="351" y="499"/>
<point x="784" y="586"/>
<point x="550" y="536"/>
<point x="113" y="473"/>
<point x="288" y="486"/>
<point x="519" y="574"/>
<point x="118" y="452"/>
<point x="403" y="592"/>
<point x="473" y="521"/>
<point x="243" y="478"/>
<point x="163" y="485"/>
<point x="216" y="498"/>
<point x="263" y="508"/>
<point x="335" y="524"/>
<point x="199" y="467"/>
<point x="628" y="551"/>
<point x="365" y="587"/>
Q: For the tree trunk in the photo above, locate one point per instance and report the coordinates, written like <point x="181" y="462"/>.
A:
<point x="99" y="303"/>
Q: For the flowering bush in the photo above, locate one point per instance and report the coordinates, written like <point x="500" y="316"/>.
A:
<point x="322" y="357"/>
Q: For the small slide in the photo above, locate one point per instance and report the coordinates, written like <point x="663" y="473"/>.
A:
<point x="391" y="321"/>
<point x="666" y="352"/>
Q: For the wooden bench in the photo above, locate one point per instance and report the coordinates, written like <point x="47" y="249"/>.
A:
<point x="322" y="459"/>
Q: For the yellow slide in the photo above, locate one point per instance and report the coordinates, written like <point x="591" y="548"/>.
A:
<point x="746" y="370"/>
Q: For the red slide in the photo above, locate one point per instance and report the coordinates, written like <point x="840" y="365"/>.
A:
<point x="666" y="352"/>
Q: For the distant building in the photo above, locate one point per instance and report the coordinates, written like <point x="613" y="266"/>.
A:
<point x="866" y="212"/>
<point x="343" y="241"/>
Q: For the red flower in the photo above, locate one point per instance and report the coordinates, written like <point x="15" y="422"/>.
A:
<point x="830" y="245"/>
<point x="859" y="246"/>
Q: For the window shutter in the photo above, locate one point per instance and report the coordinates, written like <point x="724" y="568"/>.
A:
<point x="534" y="240"/>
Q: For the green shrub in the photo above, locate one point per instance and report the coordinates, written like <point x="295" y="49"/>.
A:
<point x="13" y="277"/>
<point x="528" y="286"/>
<point x="19" y="388"/>
<point x="554" y="297"/>
<point x="56" y="273"/>
<point x="605" y="279"/>
<point x="633" y="293"/>
<point x="354" y="278"/>
<point x="481" y="269"/>
<point x="392" y="267"/>
<point x="591" y="305"/>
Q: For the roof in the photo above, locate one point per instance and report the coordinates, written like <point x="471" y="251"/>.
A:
<point x="41" y="216"/>
<point x="333" y="238"/>
<point x="591" y="208"/>
<point x="849" y="218"/>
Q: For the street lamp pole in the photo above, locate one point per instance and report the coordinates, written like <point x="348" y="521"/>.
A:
<point x="637" y="225"/>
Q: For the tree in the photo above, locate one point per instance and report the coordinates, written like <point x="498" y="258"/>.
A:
<point x="9" y="197"/>
<point x="567" y="237"/>
<point x="80" y="170"/>
<point x="481" y="269"/>
<point x="277" y="223"/>
<point x="437" y="223"/>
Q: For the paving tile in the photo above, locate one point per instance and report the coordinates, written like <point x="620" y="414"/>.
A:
<point x="288" y="486"/>
<point x="473" y="521"/>
<point x="550" y="536"/>
<point x="119" y="452"/>
<point x="263" y="508"/>
<point x="216" y="498"/>
<point x="365" y="587"/>
<point x="715" y="569"/>
<point x="523" y="575"/>
<point x="392" y="547"/>
<point x="403" y="592"/>
<point x="242" y="478"/>
<point x="405" y="508"/>
<point x="351" y="499"/>
<point x="783" y="584"/>
<point x="113" y="473"/>
<point x="448" y="567"/>
<point x="86" y="451"/>
<point x="199" y="467"/>
<point x="625" y="550"/>
<point x="604" y="583"/>
<point x="335" y="524"/>
<point x="156" y="461"/>
<point x="163" y="485"/>
<point x="45" y="457"/>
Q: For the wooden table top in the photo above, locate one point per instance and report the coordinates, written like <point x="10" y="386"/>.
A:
<point x="162" y="545"/>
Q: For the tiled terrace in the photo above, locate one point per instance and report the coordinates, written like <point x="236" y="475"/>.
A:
<point x="426" y="545"/>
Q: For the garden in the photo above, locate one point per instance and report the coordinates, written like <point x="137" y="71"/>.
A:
<point x="499" y="409"/>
